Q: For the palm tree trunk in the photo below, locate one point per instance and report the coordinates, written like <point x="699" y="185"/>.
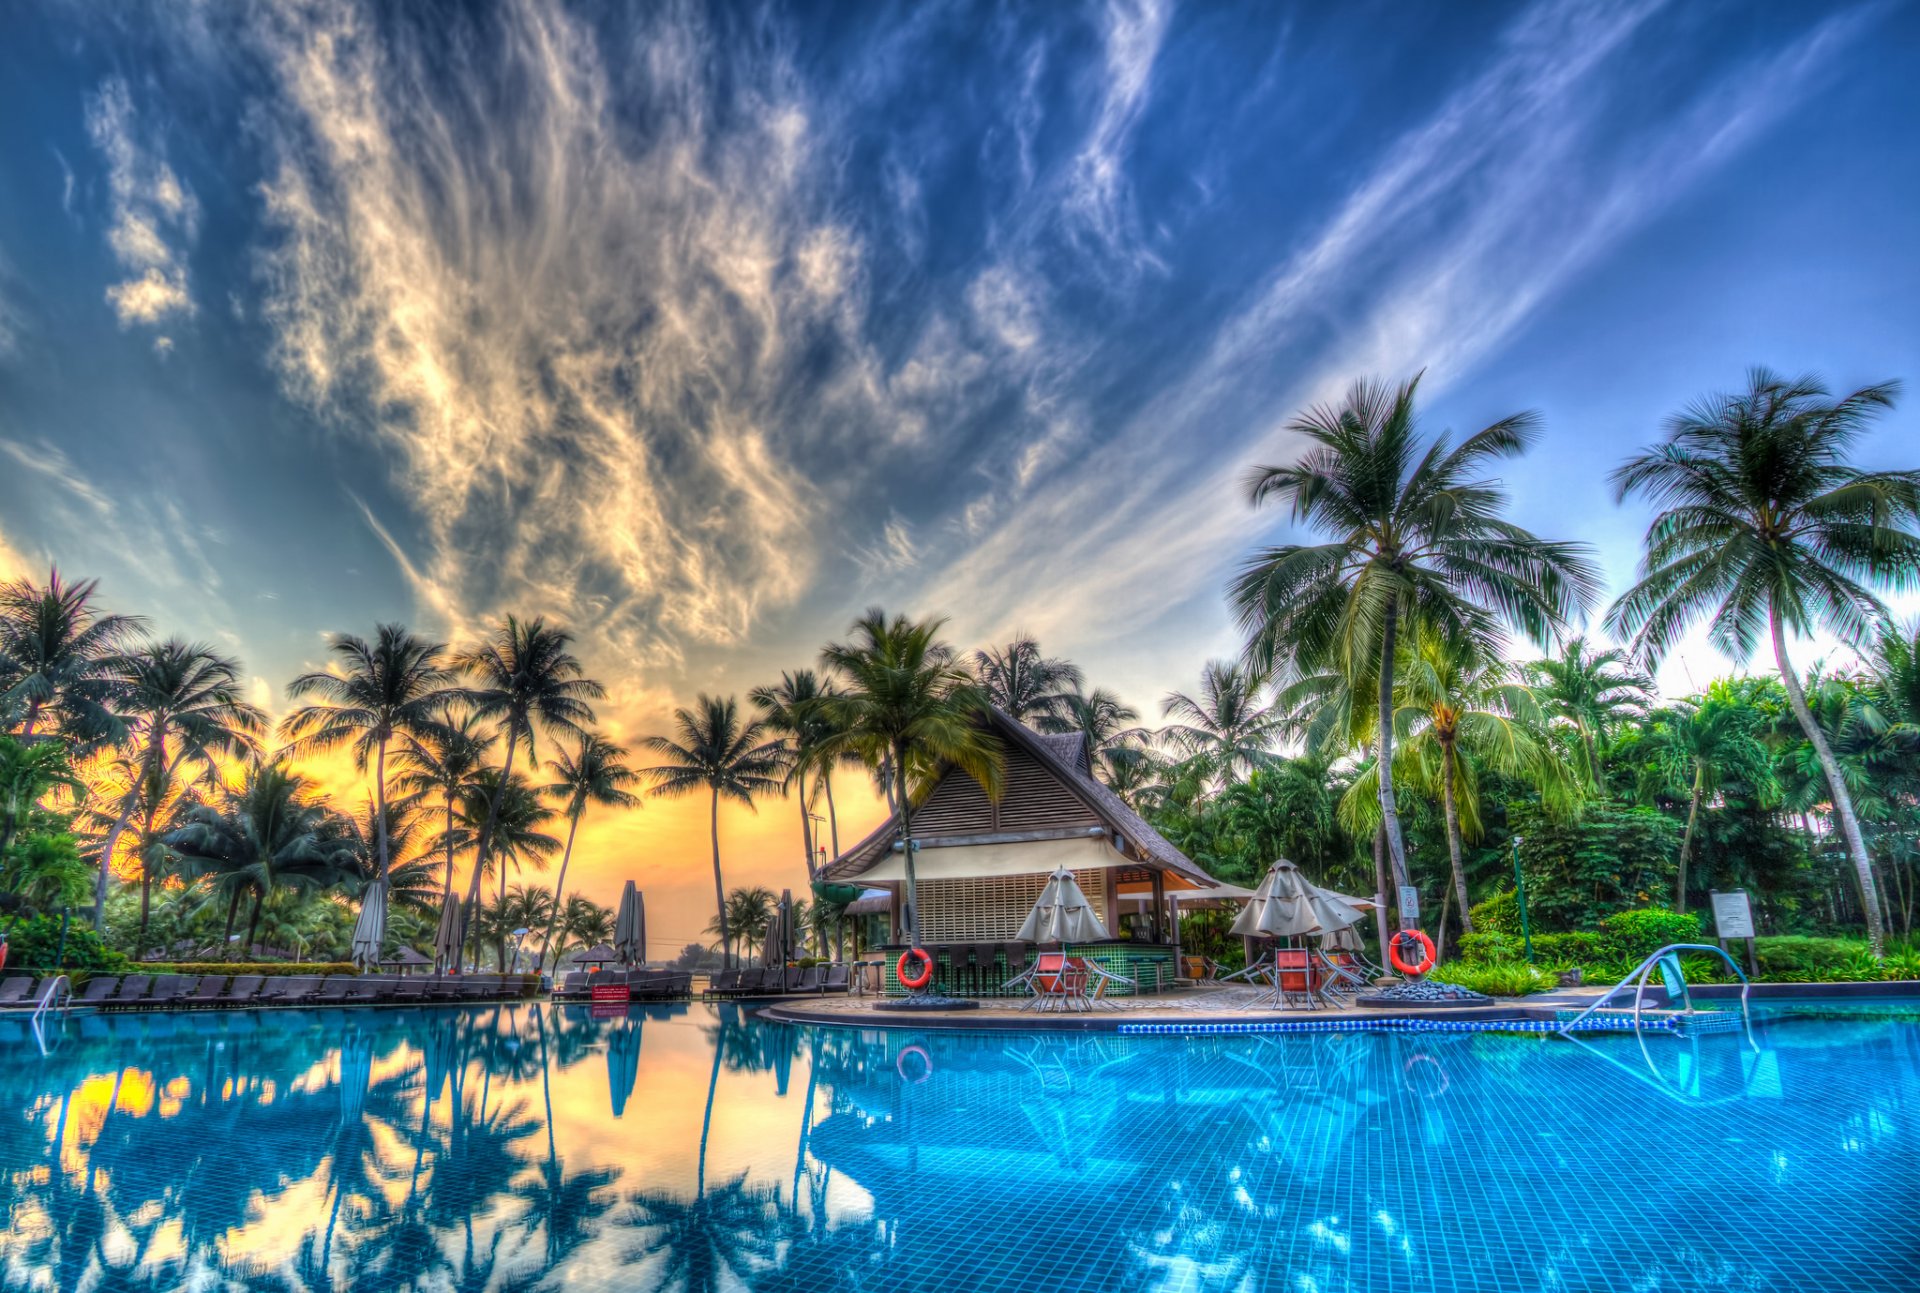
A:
<point x="806" y="831"/>
<point x="833" y="818"/>
<point x="906" y="838"/>
<point x="233" y="909"/>
<point x="253" y="923"/>
<point x="1836" y="786"/>
<point x="446" y="887"/>
<point x="486" y="839"/>
<point x="380" y="808"/>
<point x="559" y="886"/>
<point x="1447" y="774"/>
<point x="706" y="1121"/>
<point x="719" y="890"/>
<point x="1389" y="810"/>
<point x="106" y="856"/>
<point x="1380" y="880"/>
<point x="1686" y="840"/>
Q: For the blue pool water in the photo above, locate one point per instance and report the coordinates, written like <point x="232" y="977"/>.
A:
<point x="693" y="1147"/>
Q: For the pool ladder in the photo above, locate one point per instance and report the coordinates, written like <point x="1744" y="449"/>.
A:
<point x="57" y="995"/>
<point x="1674" y="979"/>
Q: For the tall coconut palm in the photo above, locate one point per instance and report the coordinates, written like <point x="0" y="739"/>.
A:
<point x="181" y="707"/>
<point x="1024" y="684"/>
<point x="1694" y="749"/>
<point x="1225" y="721"/>
<point x="906" y="703"/>
<point x="728" y="758"/>
<point x="56" y="654"/>
<point x="1411" y="531"/>
<point x="1597" y="692"/>
<point x="583" y="923"/>
<point x="749" y="914"/>
<point x="595" y="773"/>
<point x="1765" y="526"/>
<point x="518" y="815"/>
<point x="444" y="758"/>
<point x="794" y="712"/>
<point x="383" y="689"/>
<point x="1458" y="714"/>
<point x="524" y="676"/>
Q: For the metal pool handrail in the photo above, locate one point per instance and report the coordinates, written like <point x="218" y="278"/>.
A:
<point x="1638" y="977"/>
<point x="48" y="993"/>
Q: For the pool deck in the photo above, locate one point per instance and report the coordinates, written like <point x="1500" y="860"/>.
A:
<point x="1198" y="1007"/>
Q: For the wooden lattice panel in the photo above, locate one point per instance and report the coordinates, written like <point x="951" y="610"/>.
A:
<point x="991" y="909"/>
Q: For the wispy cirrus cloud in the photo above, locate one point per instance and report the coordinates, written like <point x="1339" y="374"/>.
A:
<point x="153" y="215"/>
<point x="1471" y="220"/>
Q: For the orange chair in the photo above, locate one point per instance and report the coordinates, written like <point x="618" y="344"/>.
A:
<point x="1059" y="982"/>
<point x="1295" y="976"/>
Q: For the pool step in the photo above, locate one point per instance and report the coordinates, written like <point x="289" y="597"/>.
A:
<point x="1609" y="1019"/>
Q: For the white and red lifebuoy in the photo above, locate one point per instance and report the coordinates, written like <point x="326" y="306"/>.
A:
<point x="1427" y="953"/>
<point x="920" y="980"/>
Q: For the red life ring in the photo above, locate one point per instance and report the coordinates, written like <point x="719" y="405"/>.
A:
<point x="900" y="1065"/>
<point x="1428" y="955"/>
<point x="926" y="975"/>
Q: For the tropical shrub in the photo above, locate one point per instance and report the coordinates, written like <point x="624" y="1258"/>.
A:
<point x="1484" y="947"/>
<point x="1635" y="934"/>
<point x="1609" y="859"/>
<point x="1805" y="959"/>
<point x="1499" y="914"/>
<point x="269" y="969"/>
<point x="1581" y="948"/>
<point x="33" y="944"/>
<point x="1496" y="979"/>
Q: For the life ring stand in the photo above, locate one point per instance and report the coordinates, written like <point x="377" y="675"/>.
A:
<point x="926" y="1064"/>
<point x="1427" y="954"/>
<point x="923" y="978"/>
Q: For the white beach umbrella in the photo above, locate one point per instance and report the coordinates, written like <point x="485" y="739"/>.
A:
<point x="1062" y="915"/>
<point x="1286" y="906"/>
<point x="371" y="929"/>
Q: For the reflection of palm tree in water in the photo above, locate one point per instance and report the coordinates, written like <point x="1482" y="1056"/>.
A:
<point x="563" y="1208"/>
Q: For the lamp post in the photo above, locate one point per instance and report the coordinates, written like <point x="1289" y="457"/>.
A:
<point x="1520" y="887"/>
<point x="518" y="934"/>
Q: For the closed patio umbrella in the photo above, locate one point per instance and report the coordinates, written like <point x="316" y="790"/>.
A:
<point x="371" y="929"/>
<point x="623" y="1063"/>
<point x="1062" y="915"/>
<point x="773" y="951"/>
<point x="1282" y="907"/>
<point x="452" y="933"/>
<point x="630" y="927"/>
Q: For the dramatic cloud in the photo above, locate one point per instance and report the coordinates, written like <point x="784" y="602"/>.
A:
<point x="152" y="213"/>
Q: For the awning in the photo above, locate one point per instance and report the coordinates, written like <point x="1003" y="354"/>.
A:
<point x="973" y="861"/>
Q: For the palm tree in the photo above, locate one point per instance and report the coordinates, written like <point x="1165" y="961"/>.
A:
<point x="1596" y="691"/>
<point x="1765" y="524"/>
<point x="1225" y="723"/>
<point x="56" y="656"/>
<point x="1019" y="681"/>
<point x="749" y="914"/>
<point x="907" y="703"/>
<point x="596" y="773"/>
<point x="1458" y="713"/>
<point x="518" y="813"/>
<point x="270" y="834"/>
<point x="26" y="773"/>
<point x="727" y="757"/>
<point x="526" y="907"/>
<point x="391" y="686"/>
<point x="794" y="710"/>
<point x="583" y="923"/>
<point x="1694" y="749"/>
<point x="181" y="706"/>
<point x="1101" y="718"/>
<point x="1411" y="532"/>
<point x="445" y="758"/>
<point x="524" y="675"/>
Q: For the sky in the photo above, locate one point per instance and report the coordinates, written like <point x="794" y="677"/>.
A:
<point x="702" y="328"/>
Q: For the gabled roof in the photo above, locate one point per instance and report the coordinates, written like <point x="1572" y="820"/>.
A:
<point x="1064" y="757"/>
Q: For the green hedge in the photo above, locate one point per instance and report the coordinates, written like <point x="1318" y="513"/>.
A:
<point x="1623" y="938"/>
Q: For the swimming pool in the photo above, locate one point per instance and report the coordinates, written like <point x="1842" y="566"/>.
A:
<point x="534" y="1146"/>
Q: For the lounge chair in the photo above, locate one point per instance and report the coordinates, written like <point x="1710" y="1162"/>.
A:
<point x="839" y="977"/>
<point x="292" y="990"/>
<point x="333" y="989"/>
<point x="572" y="984"/>
<point x="814" y="979"/>
<point x="98" y="990"/>
<point x="362" y="990"/>
<point x="411" y="989"/>
<point x="722" y="983"/>
<point x="243" y="991"/>
<point x="208" y="993"/>
<point x="680" y="983"/>
<point x="15" y="991"/>
<point x="132" y="993"/>
<point x="171" y="989"/>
